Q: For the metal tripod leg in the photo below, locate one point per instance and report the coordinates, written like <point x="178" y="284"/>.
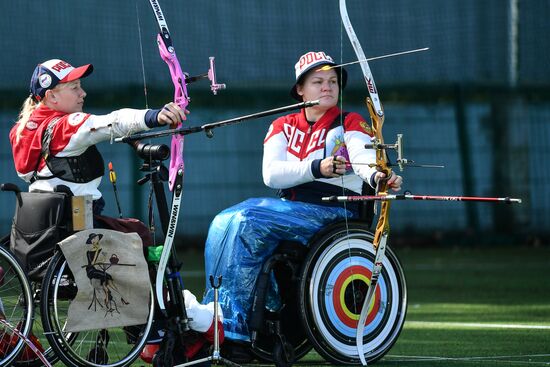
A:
<point x="216" y="357"/>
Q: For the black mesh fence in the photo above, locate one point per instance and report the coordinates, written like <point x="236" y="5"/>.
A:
<point x="477" y="101"/>
<point x="257" y="42"/>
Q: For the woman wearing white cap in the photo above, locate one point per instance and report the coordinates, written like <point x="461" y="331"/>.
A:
<point x="52" y="124"/>
<point x="307" y="155"/>
<point x="53" y="141"/>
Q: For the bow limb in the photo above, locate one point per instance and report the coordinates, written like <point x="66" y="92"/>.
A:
<point x="181" y="98"/>
<point x="376" y="113"/>
<point x="367" y="74"/>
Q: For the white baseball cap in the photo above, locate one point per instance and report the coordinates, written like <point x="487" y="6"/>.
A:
<point x="52" y="72"/>
<point x="310" y="60"/>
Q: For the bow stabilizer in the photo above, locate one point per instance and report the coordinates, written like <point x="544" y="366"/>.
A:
<point x="208" y="127"/>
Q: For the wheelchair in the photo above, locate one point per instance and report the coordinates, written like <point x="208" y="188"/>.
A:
<point x="322" y="288"/>
<point x="42" y="220"/>
<point x="37" y="221"/>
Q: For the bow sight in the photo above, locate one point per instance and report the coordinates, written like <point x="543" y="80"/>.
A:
<point x="398" y="147"/>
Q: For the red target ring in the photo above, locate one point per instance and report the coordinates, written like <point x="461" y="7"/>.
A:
<point x="350" y="290"/>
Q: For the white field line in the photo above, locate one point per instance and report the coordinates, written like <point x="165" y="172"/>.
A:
<point x="502" y="359"/>
<point x="474" y="266"/>
<point x="468" y="325"/>
<point x="508" y="360"/>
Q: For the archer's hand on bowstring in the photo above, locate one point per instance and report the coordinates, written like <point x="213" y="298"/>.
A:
<point x="171" y="114"/>
<point x="333" y="166"/>
<point x="393" y="182"/>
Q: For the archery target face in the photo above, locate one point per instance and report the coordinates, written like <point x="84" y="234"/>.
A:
<point x="338" y="287"/>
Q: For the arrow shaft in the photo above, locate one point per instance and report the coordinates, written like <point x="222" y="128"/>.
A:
<point x="391" y="197"/>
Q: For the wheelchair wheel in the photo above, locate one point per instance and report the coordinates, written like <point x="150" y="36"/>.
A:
<point x="334" y="283"/>
<point x="118" y="346"/>
<point x="28" y="358"/>
<point x="16" y="307"/>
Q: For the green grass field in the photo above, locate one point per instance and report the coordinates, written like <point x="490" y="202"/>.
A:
<point x="483" y="306"/>
<point x="475" y="306"/>
<point x="487" y="306"/>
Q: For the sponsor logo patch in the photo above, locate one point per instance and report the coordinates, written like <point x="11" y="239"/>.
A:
<point x="31" y="125"/>
<point x="45" y="80"/>
<point x="76" y="118"/>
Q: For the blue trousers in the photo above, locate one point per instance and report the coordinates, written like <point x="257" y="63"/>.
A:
<point x="242" y="237"/>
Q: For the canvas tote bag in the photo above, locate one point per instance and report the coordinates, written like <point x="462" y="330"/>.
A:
<point x="112" y="279"/>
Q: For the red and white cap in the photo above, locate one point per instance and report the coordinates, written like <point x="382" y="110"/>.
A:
<point x="310" y="60"/>
<point x="52" y="72"/>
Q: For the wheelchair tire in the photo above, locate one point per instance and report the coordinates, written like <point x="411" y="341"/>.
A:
<point x="29" y="358"/>
<point x="37" y="331"/>
<point x="16" y="306"/>
<point x="333" y="285"/>
<point x="115" y="347"/>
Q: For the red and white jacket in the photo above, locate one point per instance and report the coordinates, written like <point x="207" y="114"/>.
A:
<point x="71" y="136"/>
<point x="293" y="150"/>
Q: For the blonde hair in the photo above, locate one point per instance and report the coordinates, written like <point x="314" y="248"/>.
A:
<point x="26" y="110"/>
<point x="30" y="104"/>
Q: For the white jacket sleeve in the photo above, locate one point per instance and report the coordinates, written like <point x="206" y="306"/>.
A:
<point x="277" y="171"/>
<point x="98" y="128"/>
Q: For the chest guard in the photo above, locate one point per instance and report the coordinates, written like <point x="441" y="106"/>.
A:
<point x="78" y="169"/>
